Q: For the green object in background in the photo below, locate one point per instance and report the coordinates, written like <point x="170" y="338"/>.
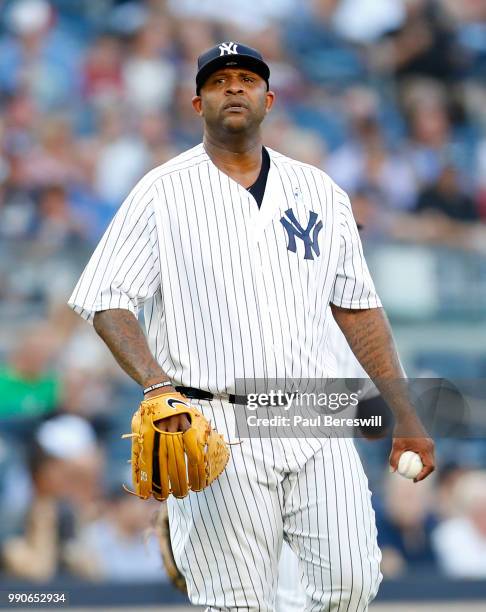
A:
<point x="27" y="398"/>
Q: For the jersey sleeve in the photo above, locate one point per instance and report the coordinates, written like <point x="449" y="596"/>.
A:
<point x="124" y="270"/>
<point x="353" y="287"/>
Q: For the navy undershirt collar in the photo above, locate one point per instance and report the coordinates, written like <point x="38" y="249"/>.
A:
<point x="257" y="190"/>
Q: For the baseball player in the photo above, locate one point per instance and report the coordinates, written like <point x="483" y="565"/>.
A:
<point x="239" y="255"/>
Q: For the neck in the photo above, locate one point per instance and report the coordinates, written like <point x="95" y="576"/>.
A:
<point x="235" y="155"/>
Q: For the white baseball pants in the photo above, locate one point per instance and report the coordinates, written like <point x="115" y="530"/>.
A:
<point x="313" y="493"/>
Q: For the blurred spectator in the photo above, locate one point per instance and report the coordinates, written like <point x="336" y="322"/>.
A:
<point x="28" y="386"/>
<point x="448" y="504"/>
<point x="446" y="197"/>
<point x="470" y="16"/>
<point x="127" y="18"/>
<point x="305" y="145"/>
<point x="192" y="36"/>
<point x="119" y="154"/>
<point x="155" y="131"/>
<point x="88" y="393"/>
<point x="366" y="164"/>
<point x="17" y="202"/>
<point x="375" y="218"/>
<point x="121" y="543"/>
<point x="55" y="158"/>
<point x="186" y="127"/>
<point x="102" y="71"/>
<point x="318" y="51"/>
<point x="21" y="118"/>
<point x="39" y="57"/>
<point x="365" y="21"/>
<point x="65" y="466"/>
<point x="148" y="72"/>
<point x="58" y="225"/>
<point x="424" y="45"/>
<point x="405" y="524"/>
<point x="460" y="542"/>
<point x="432" y="138"/>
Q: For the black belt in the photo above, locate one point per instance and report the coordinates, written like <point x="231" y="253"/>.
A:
<point x="199" y="394"/>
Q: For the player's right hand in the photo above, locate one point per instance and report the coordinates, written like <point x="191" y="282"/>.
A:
<point x="410" y="435"/>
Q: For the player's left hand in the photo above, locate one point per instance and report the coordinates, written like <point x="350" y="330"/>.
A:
<point x="410" y="435"/>
<point x="174" y="448"/>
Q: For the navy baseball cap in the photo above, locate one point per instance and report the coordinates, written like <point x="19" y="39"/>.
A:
<point x="229" y="54"/>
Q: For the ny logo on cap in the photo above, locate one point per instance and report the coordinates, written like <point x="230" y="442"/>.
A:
<point x="295" y="230"/>
<point x="230" y="48"/>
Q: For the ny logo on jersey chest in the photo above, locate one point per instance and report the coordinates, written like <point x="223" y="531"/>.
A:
<point x="309" y="235"/>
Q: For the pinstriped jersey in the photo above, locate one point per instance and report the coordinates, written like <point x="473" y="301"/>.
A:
<point x="230" y="290"/>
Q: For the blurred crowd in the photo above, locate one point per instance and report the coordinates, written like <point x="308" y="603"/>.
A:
<point x="387" y="96"/>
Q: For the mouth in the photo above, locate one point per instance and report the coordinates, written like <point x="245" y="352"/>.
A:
<point x="235" y="107"/>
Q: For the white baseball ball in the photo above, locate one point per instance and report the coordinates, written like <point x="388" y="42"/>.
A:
<point x="410" y="464"/>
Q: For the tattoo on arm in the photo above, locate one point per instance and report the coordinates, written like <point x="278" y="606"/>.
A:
<point x="369" y="336"/>
<point x="124" y="337"/>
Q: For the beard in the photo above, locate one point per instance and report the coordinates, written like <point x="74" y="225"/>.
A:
<point x="238" y="124"/>
<point x="245" y="123"/>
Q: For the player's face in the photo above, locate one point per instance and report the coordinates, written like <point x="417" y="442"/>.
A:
<point x="234" y="100"/>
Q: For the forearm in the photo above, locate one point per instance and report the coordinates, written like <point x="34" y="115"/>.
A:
<point x="369" y="336"/>
<point x="124" y="337"/>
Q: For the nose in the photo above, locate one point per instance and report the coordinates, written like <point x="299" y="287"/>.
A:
<point x="234" y="87"/>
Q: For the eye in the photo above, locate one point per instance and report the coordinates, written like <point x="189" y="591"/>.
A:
<point x="248" y="79"/>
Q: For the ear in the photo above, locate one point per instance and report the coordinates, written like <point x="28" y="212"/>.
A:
<point x="197" y="105"/>
<point x="270" y="99"/>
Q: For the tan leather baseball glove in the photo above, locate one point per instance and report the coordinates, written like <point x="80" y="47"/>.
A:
<point x="165" y="463"/>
